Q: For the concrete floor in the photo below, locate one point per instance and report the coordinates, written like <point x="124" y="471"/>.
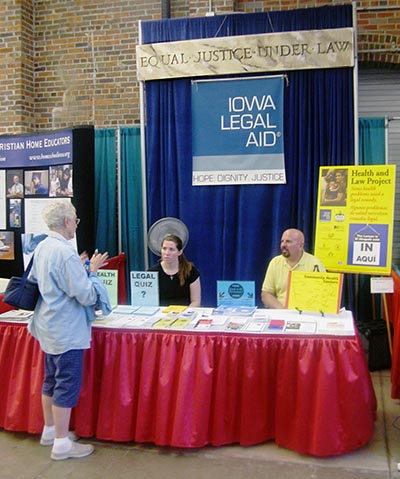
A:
<point x="23" y="458"/>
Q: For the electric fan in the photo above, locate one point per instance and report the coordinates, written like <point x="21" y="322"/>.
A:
<point x="164" y="227"/>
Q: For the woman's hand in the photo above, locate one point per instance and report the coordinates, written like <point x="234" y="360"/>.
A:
<point x="97" y="261"/>
<point x="84" y="256"/>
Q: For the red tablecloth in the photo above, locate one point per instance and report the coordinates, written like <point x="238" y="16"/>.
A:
<point x="310" y="394"/>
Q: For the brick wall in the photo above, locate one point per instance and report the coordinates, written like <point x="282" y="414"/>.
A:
<point x="85" y="61"/>
<point x="72" y="62"/>
<point x="378" y="26"/>
<point x="196" y="8"/>
<point x="200" y="7"/>
<point x="16" y="66"/>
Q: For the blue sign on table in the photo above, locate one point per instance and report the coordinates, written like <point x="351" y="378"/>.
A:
<point x="236" y="293"/>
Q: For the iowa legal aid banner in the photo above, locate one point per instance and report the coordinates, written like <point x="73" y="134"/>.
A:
<point x="238" y="131"/>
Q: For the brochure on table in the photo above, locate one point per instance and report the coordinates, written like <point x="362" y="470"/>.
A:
<point x="261" y="321"/>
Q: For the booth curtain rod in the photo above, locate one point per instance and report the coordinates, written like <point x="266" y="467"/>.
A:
<point x="374" y="8"/>
<point x="393" y="49"/>
<point x="388" y="119"/>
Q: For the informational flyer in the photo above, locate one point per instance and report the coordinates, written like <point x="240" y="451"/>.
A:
<point x="314" y="291"/>
<point x="354" y="225"/>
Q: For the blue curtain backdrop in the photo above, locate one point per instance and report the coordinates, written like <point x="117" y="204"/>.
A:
<point x="104" y="192"/>
<point x="371" y="134"/>
<point x="235" y="230"/>
<point x="131" y="200"/>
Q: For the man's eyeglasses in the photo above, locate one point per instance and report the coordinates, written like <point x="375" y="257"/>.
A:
<point x="77" y="221"/>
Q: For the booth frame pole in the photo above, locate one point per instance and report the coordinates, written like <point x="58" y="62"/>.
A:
<point x="143" y="161"/>
<point x="355" y="85"/>
<point x="118" y="146"/>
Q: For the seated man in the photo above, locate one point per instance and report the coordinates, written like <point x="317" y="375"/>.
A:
<point x="293" y="257"/>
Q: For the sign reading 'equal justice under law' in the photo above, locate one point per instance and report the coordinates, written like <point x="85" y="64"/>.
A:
<point x="267" y="52"/>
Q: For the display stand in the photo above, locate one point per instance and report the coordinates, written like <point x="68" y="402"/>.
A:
<point x="314" y="291"/>
<point x="39" y="161"/>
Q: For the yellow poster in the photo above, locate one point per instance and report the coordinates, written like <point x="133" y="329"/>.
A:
<point x="312" y="291"/>
<point x="354" y="227"/>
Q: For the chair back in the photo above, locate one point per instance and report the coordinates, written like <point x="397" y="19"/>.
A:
<point x="119" y="263"/>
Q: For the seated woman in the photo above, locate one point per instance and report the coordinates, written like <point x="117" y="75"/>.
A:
<point x="178" y="278"/>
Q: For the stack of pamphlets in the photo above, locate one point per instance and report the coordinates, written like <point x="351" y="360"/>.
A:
<point x="301" y="327"/>
<point x="256" y="325"/>
<point x="235" y="310"/>
<point x="147" y="310"/>
<point x="276" y="325"/>
<point x="211" y="322"/>
<point x="236" y="323"/>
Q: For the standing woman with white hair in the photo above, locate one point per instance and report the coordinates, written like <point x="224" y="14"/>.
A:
<point x="61" y="322"/>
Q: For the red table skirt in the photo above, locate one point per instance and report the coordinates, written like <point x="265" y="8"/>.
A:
<point x="393" y="302"/>
<point x="312" y="395"/>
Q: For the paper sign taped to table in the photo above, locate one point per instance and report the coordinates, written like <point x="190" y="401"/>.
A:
<point x="109" y="277"/>
<point x="314" y="291"/>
